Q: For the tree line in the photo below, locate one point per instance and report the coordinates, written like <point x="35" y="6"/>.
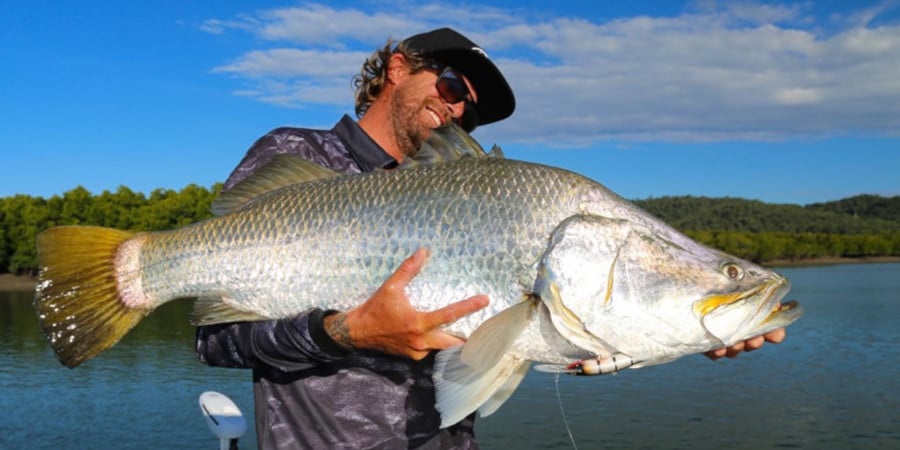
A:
<point x="865" y="214"/>
<point x="23" y="217"/>
<point x="855" y="227"/>
<point x="862" y="226"/>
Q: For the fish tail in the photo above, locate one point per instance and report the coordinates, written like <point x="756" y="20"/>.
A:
<point x="78" y="299"/>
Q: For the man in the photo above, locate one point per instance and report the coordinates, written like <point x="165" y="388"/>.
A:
<point x="362" y="378"/>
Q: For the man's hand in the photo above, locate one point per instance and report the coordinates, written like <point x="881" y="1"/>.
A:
<point x="387" y="322"/>
<point x="749" y="345"/>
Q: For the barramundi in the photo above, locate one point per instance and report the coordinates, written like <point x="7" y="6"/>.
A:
<point x="579" y="278"/>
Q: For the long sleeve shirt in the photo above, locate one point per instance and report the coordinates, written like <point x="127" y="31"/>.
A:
<point x="308" y="391"/>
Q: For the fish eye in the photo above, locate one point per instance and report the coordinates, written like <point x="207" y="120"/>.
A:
<point x="733" y="271"/>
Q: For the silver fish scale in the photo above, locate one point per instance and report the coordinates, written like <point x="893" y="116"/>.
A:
<point x="330" y="243"/>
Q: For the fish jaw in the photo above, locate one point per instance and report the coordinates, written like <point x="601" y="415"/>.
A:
<point x="734" y="317"/>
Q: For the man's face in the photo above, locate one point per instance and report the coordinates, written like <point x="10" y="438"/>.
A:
<point x="417" y="108"/>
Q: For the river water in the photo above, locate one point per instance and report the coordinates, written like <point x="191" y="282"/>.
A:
<point x="833" y="384"/>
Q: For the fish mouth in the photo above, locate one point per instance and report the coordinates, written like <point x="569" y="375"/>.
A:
<point x="737" y="316"/>
<point x="782" y="308"/>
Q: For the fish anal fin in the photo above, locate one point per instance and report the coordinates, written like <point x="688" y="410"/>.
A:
<point x="282" y="170"/>
<point x="212" y="310"/>
<point x="461" y="390"/>
<point x="493" y="338"/>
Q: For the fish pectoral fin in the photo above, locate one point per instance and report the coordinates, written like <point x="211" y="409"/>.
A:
<point x="493" y="338"/>
<point x="501" y="395"/>
<point x="461" y="390"/>
<point x="281" y="171"/>
<point x="481" y="374"/>
<point x="213" y="310"/>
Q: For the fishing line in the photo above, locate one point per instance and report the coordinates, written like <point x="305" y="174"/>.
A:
<point x="563" y="412"/>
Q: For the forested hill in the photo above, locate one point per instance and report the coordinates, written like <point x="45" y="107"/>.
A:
<point x="863" y="214"/>
<point x="862" y="226"/>
<point x="873" y="206"/>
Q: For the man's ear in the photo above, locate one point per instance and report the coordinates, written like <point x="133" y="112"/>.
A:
<point x="398" y="68"/>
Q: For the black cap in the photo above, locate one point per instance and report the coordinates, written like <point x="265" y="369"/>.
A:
<point x="495" y="97"/>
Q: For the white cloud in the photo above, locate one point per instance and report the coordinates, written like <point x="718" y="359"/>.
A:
<point x="291" y="62"/>
<point x="318" y="24"/>
<point x="798" y="96"/>
<point x="721" y="71"/>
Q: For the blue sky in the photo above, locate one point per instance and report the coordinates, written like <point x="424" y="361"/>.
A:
<point x="785" y="102"/>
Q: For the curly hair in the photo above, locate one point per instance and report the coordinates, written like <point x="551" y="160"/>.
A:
<point x="372" y="77"/>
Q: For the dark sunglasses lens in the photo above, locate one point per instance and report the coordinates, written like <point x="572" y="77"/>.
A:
<point x="451" y="87"/>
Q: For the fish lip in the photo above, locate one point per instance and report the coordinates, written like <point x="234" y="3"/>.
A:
<point x="782" y="314"/>
<point x="783" y="308"/>
<point x="740" y="315"/>
<point x="772" y="291"/>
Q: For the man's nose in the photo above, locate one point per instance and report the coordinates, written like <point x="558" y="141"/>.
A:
<point x="457" y="109"/>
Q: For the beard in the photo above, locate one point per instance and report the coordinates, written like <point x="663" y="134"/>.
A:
<point x="410" y="129"/>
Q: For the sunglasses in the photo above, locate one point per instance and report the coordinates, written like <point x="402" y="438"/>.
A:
<point x="452" y="88"/>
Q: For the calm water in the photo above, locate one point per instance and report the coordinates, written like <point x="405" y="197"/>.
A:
<point x="832" y="384"/>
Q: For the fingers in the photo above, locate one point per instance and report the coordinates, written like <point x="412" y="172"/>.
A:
<point x="432" y="321"/>
<point x="734" y="350"/>
<point x="444" y="316"/>
<point x="443" y="340"/>
<point x="775" y="336"/>
<point x="391" y="324"/>
<point x="434" y="340"/>
<point x="453" y="312"/>
<point x="755" y="343"/>
<point x="388" y="321"/>
<point x="408" y="269"/>
<point x="717" y="353"/>
<point x="730" y="352"/>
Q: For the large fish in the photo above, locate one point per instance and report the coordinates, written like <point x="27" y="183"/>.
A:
<point x="579" y="278"/>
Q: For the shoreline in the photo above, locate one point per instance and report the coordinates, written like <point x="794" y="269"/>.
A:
<point x="833" y="260"/>
<point x="10" y="282"/>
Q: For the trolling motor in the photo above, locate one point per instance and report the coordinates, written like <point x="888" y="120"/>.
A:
<point x="224" y="419"/>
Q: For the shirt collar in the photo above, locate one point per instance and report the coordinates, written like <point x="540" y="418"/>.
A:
<point x="366" y="152"/>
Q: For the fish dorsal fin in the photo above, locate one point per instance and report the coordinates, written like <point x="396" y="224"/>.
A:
<point x="281" y="171"/>
<point x="448" y="143"/>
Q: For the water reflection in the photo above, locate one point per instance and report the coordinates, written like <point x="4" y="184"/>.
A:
<point x="142" y="393"/>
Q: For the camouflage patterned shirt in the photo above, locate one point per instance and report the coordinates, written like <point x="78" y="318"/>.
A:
<point x="308" y="392"/>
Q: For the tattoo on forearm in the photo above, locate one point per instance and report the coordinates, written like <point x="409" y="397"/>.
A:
<point x="337" y="329"/>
